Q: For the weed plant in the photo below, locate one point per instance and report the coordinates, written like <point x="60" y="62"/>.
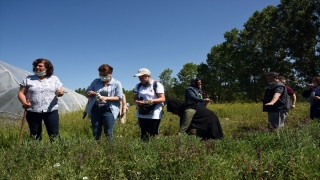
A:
<point x="248" y="150"/>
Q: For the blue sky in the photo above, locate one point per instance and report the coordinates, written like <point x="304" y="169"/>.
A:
<point x="77" y="36"/>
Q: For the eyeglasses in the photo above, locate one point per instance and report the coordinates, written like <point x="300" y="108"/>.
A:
<point x="143" y="76"/>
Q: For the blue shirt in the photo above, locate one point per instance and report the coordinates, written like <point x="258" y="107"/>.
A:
<point x="113" y="89"/>
<point x="192" y="94"/>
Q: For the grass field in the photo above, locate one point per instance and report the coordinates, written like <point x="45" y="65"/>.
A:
<point x="248" y="150"/>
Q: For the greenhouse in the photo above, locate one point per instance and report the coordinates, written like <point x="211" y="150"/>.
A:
<point x="10" y="106"/>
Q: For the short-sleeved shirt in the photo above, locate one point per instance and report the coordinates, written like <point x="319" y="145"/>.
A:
<point x="290" y="91"/>
<point x="147" y="93"/>
<point x="279" y="89"/>
<point x="42" y="93"/>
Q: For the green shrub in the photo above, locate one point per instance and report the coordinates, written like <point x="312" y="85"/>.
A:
<point x="248" y="151"/>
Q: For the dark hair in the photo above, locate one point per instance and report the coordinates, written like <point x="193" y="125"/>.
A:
<point x="317" y="78"/>
<point x="194" y="82"/>
<point x="281" y="78"/>
<point x="105" y="68"/>
<point x="273" y="74"/>
<point x="47" y="64"/>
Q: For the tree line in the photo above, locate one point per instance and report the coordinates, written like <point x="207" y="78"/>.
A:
<point x="283" y="38"/>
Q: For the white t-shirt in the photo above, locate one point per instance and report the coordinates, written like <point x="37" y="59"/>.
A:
<point x="147" y="93"/>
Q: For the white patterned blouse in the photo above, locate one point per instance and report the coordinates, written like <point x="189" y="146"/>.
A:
<point x="41" y="93"/>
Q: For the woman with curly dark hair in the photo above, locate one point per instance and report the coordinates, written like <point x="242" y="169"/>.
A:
<point x="38" y="95"/>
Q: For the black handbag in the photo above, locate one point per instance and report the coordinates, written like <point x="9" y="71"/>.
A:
<point x="146" y="109"/>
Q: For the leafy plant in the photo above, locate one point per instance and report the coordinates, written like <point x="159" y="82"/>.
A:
<point x="248" y="151"/>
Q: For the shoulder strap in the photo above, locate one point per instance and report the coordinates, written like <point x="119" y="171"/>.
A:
<point x="139" y="86"/>
<point x="155" y="85"/>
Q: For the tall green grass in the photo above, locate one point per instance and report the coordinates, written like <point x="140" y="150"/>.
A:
<point x="248" y="151"/>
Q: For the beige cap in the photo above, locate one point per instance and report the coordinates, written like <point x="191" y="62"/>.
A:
<point x="142" y="71"/>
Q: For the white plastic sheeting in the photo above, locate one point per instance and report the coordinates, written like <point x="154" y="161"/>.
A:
<point x="10" y="106"/>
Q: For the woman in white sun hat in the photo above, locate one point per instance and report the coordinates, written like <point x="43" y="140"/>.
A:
<point x="149" y="98"/>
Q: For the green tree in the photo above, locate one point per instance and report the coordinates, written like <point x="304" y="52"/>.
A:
<point x="284" y="39"/>
<point x="81" y="91"/>
<point x="260" y="51"/>
<point x="299" y="21"/>
<point x="168" y="83"/>
<point x="217" y="77"/>
<point x="129" y="96"/>
<point x="188" y="72"/>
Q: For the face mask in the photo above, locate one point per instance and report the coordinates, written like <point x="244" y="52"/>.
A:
<point x="43" y="73"/>
<point x="315" y="84"/>
<point x="271" y="83"/>
<point x="105" y="78"/>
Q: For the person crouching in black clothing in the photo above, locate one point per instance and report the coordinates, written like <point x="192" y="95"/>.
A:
<point x="196" y="119"/>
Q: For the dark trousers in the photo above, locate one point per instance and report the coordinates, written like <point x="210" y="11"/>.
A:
<point x="149" y="127"/>
<point x="51" y="121"/>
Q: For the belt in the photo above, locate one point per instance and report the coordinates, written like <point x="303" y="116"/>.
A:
<point x="101" y="105"/>
<point x="99" y="102"/>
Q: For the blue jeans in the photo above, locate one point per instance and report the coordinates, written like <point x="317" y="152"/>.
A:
<point x="51" y="121"/>
<point x="101" y="115"/>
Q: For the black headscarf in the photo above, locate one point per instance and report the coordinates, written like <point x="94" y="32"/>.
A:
<point x="173" y="105"/>
<point x="203" y="118"/>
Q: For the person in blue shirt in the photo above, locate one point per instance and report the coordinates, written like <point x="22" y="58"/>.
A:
<point x="193" y="92"/>
<point x="105" y="94"/>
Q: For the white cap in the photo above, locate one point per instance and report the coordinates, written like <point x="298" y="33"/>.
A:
<point x="142" y="71"/>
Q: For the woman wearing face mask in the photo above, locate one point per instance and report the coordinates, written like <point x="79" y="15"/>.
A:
<point x="148" y="94"/>
<point x="313" y="93"/>
<point x="105" y="94"/>
<point x="38" y="95"/>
